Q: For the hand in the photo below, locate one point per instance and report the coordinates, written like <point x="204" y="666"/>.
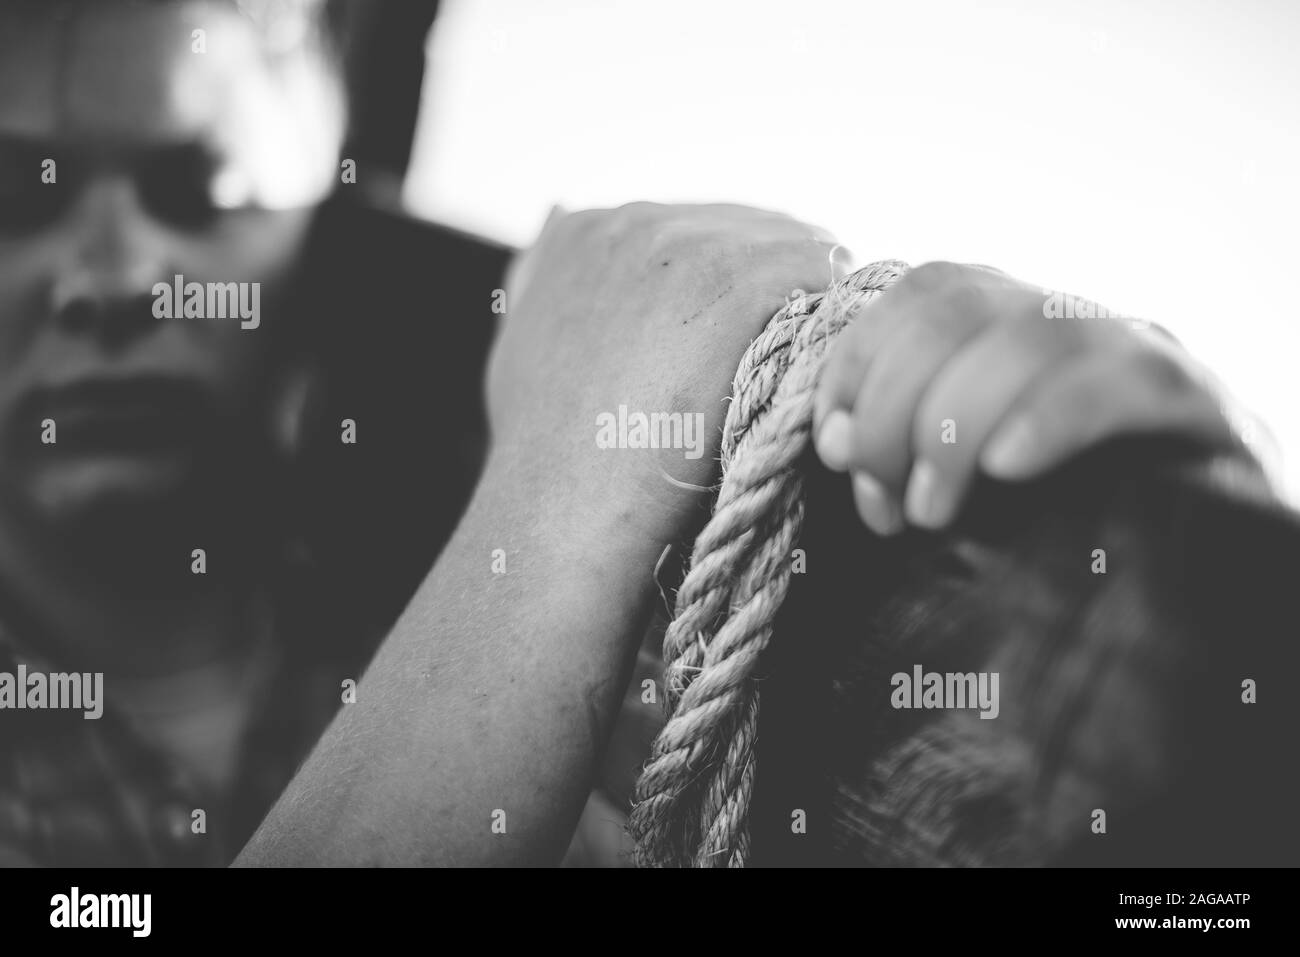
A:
<point x="648" y="307"/>
<point x="957" y="368"/>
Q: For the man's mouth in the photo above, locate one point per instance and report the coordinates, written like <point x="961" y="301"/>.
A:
<point x="138" y="414"/>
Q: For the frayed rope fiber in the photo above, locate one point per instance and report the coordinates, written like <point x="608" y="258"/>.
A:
<point x="691" y="805"/>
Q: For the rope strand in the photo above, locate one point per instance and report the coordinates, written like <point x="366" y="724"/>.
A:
<point x="693" y="797"/>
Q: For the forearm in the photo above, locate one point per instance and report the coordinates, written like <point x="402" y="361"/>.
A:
<point x="493" y="693"/>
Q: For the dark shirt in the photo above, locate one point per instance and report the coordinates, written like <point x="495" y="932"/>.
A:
<point x="399" y="315"/>
<point x="95" y="792"/>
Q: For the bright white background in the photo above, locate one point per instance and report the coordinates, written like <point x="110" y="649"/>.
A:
<point x="1143" y="154"/>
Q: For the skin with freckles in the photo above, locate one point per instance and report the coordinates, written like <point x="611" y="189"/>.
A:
<point x="958" y="369"/>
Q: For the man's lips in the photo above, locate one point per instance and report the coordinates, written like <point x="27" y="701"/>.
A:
<point x="143" y="413"/>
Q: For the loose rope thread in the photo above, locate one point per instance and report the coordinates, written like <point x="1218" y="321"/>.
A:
<point x="692" y="800"/>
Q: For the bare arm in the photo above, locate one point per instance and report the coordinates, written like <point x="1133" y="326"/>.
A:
<point x="494" y="693"/>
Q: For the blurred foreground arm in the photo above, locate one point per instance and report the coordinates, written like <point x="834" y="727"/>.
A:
<point x="491" y="700"/>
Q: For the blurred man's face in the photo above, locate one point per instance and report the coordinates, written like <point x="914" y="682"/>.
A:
<point x="166" y="161"/>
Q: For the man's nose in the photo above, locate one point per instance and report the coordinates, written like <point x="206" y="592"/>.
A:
<point x="117" y="254"/>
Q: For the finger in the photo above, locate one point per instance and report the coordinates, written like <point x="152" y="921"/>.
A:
<point x="767" y="217"/>
<point x="896" y="380"/>
<point x="934" y="291"/>
<point x="846" y="366"/>
<point x="841" y="377"/>
<point x="966" y="401"/>
<point x="1102" y="397"/>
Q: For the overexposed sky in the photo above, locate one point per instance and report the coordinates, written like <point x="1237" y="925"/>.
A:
<point x="1144" y="154"/>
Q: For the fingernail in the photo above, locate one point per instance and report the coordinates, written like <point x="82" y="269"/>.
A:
<point x="875" y="505"/>
<point x="1005" y="455"/>
<point x="925" y="503"/>
<point x="835" y="440"/>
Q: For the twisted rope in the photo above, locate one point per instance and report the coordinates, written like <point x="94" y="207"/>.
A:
<point x="692" y="799"/>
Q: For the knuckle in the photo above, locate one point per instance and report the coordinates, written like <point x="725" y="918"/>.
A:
<point x="965" y="297"/>
<point x="946" y="290"/>
<point x="934" y="277"/>
<point x="670" y="239"/>
<point x="936" y="333"/>
<point x="1163" y="371"/>
<point x="586" y="222"/>
<point x="628" y="220"/>
<point x="633" y="214"/>
<point x="1145" y="327"/>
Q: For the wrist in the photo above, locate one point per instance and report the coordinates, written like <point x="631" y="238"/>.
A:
<point x="586" y="522"/>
